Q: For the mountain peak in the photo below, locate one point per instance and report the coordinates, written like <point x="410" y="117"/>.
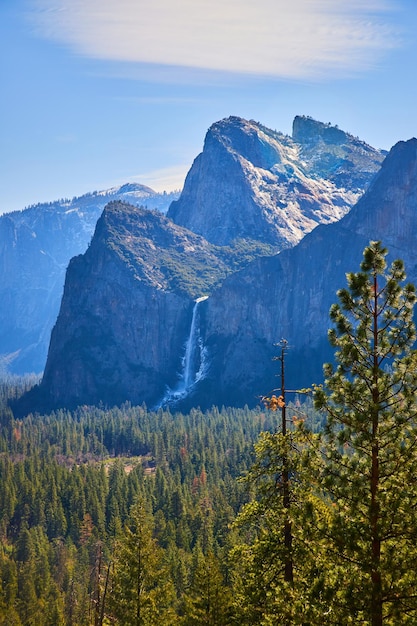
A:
<point x="251" y="182"/>
<point x="333" y="154"/>
<point x="388" y="206"/>
<point x="305" y="129"/>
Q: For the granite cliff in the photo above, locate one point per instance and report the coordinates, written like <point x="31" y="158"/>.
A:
<point x="254" y="183"/>
<point x="36" y="245"/>
<point x="128" y="306"/>
<point x="154" y="312"/>
<point x="289" y="295"/>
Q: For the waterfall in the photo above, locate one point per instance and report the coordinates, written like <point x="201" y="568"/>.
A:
<point x="191" y="348"/>
<point x="194" y="361"/>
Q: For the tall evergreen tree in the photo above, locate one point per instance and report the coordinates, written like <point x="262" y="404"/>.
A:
<point x="370" y="447"/>
<point x="141" y="593"/>
<point x="278" y="574"/>
<point x="208" y="600"/>
<point x="262" y="592"/>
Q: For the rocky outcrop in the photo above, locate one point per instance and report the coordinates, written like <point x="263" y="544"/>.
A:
<point x="36" y="246"/>
<point x="289" y="295"/>
<point x="127" y="309"/>
<point x="331" y="153"/>
<point x="129" y="323"/>
<point x="254" y="183"/>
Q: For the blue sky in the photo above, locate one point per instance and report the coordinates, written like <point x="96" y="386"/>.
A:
<point x="96" y="93"/>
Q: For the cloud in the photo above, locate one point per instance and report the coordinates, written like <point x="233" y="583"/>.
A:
<point x="296" y="39"/>
<point x="164" y="179"/>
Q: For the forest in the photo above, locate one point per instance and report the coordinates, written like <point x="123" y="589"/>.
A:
<point x="71" y="484"/>
<point x="299" y="512"/>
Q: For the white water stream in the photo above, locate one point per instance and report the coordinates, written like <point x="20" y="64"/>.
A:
<point x="194" y="361"/>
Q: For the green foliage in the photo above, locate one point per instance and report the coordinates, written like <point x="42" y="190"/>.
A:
<point x="141" y="592"/>
<point x="125" y="516"/>
<point x="68" y="482"/>
<point x="265" y="594"/>
<point x="196" y="277"/>
<point x="208" y="599"/>
<point x="369" y="451"/>
<point x="352" y="487"/>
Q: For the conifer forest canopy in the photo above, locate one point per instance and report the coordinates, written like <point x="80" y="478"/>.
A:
<point x="300" y="511"/>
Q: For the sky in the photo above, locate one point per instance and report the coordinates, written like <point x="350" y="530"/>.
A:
<point x="97" y="93"/>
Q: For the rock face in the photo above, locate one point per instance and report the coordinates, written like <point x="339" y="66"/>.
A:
<point x="289" y="295"/>
<point x="36" y="246"/>
<point x="127" y="310"/>
<point x="331" y="153"/>
<point x="251" y="185"/>
<point x="254" y="183"/>
<point x="129" y="327"/>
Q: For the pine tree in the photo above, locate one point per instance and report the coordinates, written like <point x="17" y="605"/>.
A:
<point x="141" y="593"/>
<point x="262" y="592"/>
<point x="8" y="591"/>
<point x="208" y="600"/>
<point x="370" y="447"/>
<point x="278" y="566"/>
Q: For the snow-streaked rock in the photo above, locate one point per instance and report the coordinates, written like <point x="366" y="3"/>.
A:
<point x="255" y="183"/>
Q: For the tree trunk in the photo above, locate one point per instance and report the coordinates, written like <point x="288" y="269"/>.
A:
<point x="376" y="598"/>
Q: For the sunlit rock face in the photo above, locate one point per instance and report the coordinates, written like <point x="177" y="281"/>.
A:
<point x="289" y="295"/>
<point x="128" y="317"/>
<point x="254" y="183"/>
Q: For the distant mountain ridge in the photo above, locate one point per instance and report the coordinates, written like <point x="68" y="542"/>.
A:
<point x="129" y="316"/>
<point x="134" y="193"/>
<point x="36" y="245"/>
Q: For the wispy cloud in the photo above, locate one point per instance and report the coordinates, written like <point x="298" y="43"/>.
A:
<point x="297" y="39"/>
<point x="165" y="179"/>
